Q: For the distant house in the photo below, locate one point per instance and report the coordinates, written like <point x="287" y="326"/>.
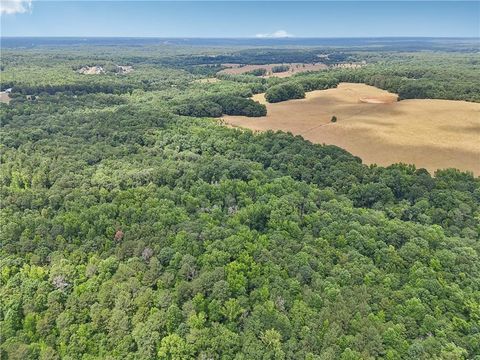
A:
<point x="8" y="91"/>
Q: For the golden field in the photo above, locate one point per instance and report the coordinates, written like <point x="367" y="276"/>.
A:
<point x="371" y="124"/>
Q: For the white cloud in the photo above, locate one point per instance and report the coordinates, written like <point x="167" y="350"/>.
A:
<point x="276" y="34"/>
<point x="10" y="7"/>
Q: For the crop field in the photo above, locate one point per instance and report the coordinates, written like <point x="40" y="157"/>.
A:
<point x="295" y="68"/>
<point x="432" y="134"/>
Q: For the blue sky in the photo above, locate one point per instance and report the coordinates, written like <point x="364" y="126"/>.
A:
<point x="240" y="18"/>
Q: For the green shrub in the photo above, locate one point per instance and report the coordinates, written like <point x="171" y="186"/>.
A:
<point x="257" y="72"/>
<point x="317" y="83"/>
<point x="285" y="91"/>
<point x="216" y="106"/>
<point x="235" y="105"/>
<point x="280" y="68"/>
<point x="200" y="108"/>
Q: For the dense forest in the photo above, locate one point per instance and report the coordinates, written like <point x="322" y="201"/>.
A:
<point x="135" y="226"/>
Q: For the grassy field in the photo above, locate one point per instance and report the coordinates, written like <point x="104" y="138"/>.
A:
<point x="432" y="134"/>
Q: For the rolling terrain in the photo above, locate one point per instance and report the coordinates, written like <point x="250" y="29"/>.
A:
<point x="432" y="134"/>
<point x="134" y="226"/>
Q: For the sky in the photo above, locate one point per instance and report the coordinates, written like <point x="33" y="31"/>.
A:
<point x="222" y="19"/>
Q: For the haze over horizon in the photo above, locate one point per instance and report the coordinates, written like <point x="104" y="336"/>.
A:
<point x="240" y="19"/>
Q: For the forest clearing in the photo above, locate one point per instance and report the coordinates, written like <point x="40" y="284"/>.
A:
<point x="431" y="134"/>
<point x="294" y="68"/>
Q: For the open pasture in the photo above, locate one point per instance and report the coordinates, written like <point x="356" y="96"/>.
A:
<point x="371" y="124"/>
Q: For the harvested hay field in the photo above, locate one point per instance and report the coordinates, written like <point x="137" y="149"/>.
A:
<point x="432" y="134"/>
<point x="384" y="99"/>
<point x="295" y="68"/>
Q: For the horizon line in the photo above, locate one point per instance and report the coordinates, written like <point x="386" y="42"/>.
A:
<point x="240" y="37"/>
